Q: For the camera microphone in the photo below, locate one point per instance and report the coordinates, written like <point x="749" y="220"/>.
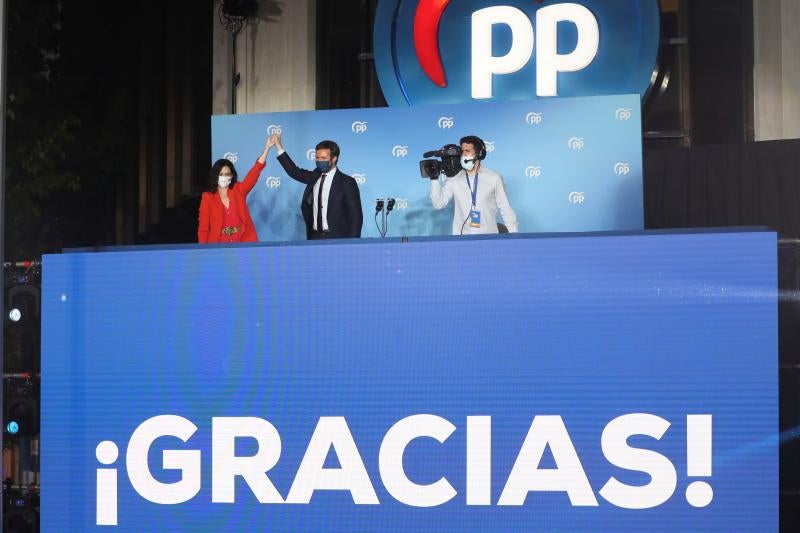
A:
<point x="432" y="153"/>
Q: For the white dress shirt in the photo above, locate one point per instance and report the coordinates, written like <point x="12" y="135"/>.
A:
<point x="491" y="197"/>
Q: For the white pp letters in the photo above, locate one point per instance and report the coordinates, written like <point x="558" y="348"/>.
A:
<point x="549" y="63"/>
<point x="484" y="64"/>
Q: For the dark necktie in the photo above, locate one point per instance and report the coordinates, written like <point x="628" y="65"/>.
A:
<point x="319" y="203"/>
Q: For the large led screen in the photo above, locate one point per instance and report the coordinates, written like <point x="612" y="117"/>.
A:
<point x="582" y="384"/>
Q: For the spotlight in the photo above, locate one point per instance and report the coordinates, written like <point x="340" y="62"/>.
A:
<point x="21" y="408"/>
<point x="15" y="315"/>
<point x="240" y="8"/>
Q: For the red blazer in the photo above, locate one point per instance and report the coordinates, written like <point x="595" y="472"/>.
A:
<point x="209" y="228"/>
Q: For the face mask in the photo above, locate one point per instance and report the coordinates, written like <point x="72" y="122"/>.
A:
<point x="467" y="163"/>
<point x="224" y="181"/>
<point x="323" y="166"/>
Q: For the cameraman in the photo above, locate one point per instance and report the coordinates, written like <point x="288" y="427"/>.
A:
<point x="478" y="191"/>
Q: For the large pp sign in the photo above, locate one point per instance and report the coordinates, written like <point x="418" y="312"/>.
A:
<point x="619" y="383"/>
<point x="435" y="51"/>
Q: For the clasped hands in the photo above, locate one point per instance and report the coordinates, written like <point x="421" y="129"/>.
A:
<point x="275" y="140"/>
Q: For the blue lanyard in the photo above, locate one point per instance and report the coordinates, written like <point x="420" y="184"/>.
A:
<point x="474" y="192"/>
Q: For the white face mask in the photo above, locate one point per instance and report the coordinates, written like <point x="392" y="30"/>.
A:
<point x="224" y="181"/>
<point x="467" y="163"/>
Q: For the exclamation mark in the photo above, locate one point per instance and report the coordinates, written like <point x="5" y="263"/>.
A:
<point x="698" y="459"/>
<point x="107" y="453"/>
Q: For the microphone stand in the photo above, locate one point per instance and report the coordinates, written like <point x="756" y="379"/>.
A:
<point x="379" y="209"/>
<point x="389" y="207"/>
<point x="383" y="229"/>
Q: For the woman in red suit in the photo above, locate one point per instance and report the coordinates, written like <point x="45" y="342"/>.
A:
<point x="224" y="216"/>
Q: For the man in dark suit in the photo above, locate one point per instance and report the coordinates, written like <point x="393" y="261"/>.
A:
<point x="331" y="204"/>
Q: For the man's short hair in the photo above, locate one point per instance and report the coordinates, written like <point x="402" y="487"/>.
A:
<point x="477" y="143"/>
<point x="329" y="145"/>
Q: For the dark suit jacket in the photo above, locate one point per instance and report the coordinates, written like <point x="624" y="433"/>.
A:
<point x="345" y="217"/>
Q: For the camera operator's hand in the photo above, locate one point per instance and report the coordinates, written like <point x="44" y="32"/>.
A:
<point x="429" y="168"/>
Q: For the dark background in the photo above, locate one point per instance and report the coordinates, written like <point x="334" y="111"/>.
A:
<point x="108" y="127"/>
<point x="108" y="138"/>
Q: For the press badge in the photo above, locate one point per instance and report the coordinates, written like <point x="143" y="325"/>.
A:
<point x="475" y="218"/>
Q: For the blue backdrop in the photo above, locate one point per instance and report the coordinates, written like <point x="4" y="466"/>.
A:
<point x="569" y="164"/>
<point x="588" y="329"/>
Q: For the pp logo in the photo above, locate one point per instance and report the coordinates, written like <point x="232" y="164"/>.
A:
<point x="401" y="203"/>
<point x="489" y="146"/>
<point x="273" y="182"/>
<point x="576" y="143"/>
<point x="359" y="127"/>
<point x="274" y="129"/>
<point x="400" y="151"/>
<point x="623" y="114"/>
<point x="440" y="51"/>
<point x="533" y="119"/>
<point x="577" y="198"/>
<point x="361" y="179"/>
<point x="446" y="123"/>
<point x="622" y="169"/>
<point x="311" y="154"/>
<point x="233" y="157"/>
<point x="533" y="172"/>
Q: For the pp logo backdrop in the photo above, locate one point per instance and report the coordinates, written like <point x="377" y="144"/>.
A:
<point x="442" y="51"/>
<point x="569" y="164"/>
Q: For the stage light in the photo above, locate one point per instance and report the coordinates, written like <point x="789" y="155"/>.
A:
<point x="23" y="301"/>
<point x="22" y="307"/>
<point x="240" y="8"/>
<point x="22" y="419"/>
<point x="232" y="15"/>
<point x="21" y="407"/>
